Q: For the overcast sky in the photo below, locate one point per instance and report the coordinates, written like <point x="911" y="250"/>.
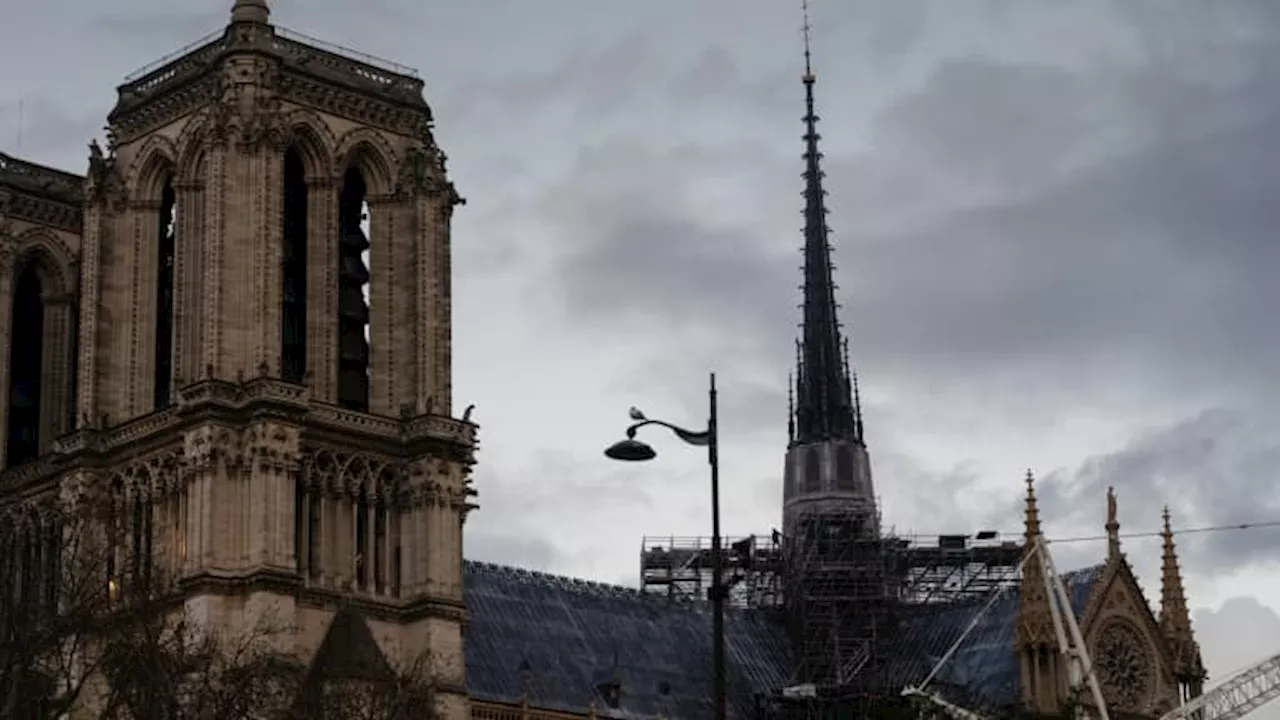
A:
<point x="1053" y="226"/>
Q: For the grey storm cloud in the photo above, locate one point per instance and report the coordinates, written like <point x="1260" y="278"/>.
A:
<point x="1079" y="230"/>
<point x="1160" y="252"/>
<point x="1214" y="470"/>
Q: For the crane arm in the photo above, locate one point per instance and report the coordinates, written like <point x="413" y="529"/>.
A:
<point x="953" y="711"/>
<point x="1236" y="696"/>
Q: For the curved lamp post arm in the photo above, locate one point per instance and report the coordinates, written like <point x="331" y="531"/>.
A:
<point x="700" y="439"/>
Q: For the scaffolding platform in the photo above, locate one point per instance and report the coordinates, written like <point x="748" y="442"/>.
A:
<point x="842" y="587"/>
<point x="929" y="568"/>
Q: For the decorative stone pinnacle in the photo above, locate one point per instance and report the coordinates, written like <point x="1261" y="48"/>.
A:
<point x="251" y="11"/>
<point x="1113" y="524"/>
<point x="1032" y="515"/>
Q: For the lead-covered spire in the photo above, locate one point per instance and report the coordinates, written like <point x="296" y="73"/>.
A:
<point x="825" y="407"/>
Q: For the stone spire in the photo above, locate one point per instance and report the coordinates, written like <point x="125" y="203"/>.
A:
<point x="1035" y="623"/>
<point x="825" y="408"/>
<point x="250" y="11"/>
<point x="1031" y="515"/>
<point x="1175" y="620"/>
<point x="1039" y="662"/>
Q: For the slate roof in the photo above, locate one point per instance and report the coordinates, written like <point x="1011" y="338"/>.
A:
<point x="984" y="671"/>
<point x="558" y="642"/>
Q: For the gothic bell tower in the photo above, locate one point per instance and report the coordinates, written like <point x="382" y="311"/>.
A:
<point x="264" y="343"/>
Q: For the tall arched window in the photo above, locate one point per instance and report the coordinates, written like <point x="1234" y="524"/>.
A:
<point x="293" y="313"/>
<point x="166" y="244"/>
<point x="353" y="306"/>
<point x="26" y="360"/>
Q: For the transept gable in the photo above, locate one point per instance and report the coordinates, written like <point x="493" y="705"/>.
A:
<point x="1133" y="661"/>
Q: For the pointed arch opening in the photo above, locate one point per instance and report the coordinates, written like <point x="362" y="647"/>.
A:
<point x="166" y="256"/>
<point x="26" y="364"/>
<point x="353" y="291"/>
<point x="293" y="314"/>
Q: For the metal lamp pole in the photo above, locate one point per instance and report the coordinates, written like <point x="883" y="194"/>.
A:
<point x="633" y="450"/>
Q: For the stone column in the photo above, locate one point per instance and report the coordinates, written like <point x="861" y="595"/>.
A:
<point x="427" y="308"/>
<point x="144" y="219"/>
<point x="384" y="296"/>
<point x="55" y="391"/>
<point x="188" y="272"/>
<point x="269" y="256"/>
<point x="214" y="276"/>
<point x="441" y="339"/>
<point x="90" y="298"/>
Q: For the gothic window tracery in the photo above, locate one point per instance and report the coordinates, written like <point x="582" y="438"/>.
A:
<point x="1126" y="666"/>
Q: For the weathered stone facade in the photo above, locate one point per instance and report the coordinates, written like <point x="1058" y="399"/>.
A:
<point x="160" y="379"/>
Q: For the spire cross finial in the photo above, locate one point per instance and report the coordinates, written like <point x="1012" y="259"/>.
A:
<point x="808" y="73"/>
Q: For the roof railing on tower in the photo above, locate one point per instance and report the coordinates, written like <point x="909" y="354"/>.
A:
<point x="346" y="52"/>
<point x="170" y="57"/>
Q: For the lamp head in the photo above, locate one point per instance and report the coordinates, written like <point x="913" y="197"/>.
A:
<point x="630" y="450"/>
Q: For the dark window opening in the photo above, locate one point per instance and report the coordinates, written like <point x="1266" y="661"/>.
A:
<point x="395" y="571"/>
<point x="293" y="315"/>
<point x="53" y="564"/>
<point x="164" y="296"/>
<point x="812" y="470"/>
<point x="26" y="356"/>
<point x="300" y="526"/>
<point x="353" y="307"/>
<point x="379" y="547"/>
<point x="313" y="535"/>
<point x="140" y="545"/>
<point x="846" y="468"/>
<point x="362" y="540"/>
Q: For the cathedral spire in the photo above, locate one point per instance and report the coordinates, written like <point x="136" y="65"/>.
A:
<point x="1173" y="601"/>
<point x="825" y="408"/>
<point x="1175" y="620"/>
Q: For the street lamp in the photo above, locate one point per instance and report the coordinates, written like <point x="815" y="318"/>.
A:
<point x="633" y="450"/>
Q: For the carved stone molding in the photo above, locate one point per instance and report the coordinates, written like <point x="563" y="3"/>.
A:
<point x="272" y="446"/>
<point x="152" y="476"/>
<point x="343" y="475"/>
<point x="206" y="446"/>
<point x="359" y="107"/>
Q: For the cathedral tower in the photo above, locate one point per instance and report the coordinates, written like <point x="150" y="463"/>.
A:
<point x="827" y="467"/>
<point x="262" y="397"/>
